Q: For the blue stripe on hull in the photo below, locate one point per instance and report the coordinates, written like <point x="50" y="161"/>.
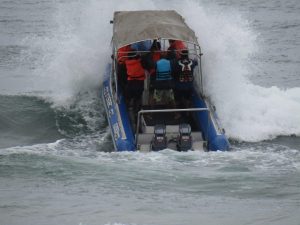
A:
<point x="117" y="116"/>
<point x="216" y="141"/>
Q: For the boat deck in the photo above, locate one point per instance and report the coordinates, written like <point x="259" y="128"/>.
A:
<point x="170" y="118"/>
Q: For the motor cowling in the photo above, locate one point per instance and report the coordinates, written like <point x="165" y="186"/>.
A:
<point x="159" y="141"/>
<point x="184" y="139"/>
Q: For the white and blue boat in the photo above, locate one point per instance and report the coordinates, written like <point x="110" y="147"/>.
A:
<point x="148" y="127"/>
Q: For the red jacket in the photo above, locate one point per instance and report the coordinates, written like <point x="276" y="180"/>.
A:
<point x="134" y="68"/>
<point x="156" y="56"/>
<point x="122" y="53"/>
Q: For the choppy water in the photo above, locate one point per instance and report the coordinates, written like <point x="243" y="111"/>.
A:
<point x="56" y="164"/>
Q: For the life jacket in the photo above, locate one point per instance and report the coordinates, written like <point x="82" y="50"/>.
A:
<point x="163" y="70"/>
<point x="134" y="68"/>
<point x="122" y="54"/>
<point x="186" y="71"/>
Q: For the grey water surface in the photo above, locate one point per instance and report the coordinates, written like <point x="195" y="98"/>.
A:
<point x="56" y="159"/>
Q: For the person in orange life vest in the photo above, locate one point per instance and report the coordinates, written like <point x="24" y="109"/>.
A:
<point x="122" y="53"/>
<point x="184" y="76"/>
<point x="174" y="47"/>
<point x="121" y="70"/>
<point x="135" y="77"/>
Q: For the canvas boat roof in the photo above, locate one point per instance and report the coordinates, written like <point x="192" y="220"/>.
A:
<point x="135" y="26"/>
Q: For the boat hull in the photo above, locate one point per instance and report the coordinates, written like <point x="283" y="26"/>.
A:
<point x="123" y="136"/>
<point x="117" y="116"/>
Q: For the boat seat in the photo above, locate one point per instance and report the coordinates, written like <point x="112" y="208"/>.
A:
<point x="169" y="129"/>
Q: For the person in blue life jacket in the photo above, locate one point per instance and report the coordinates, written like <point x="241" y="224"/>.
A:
<point x="163" y="85"/>
<point x="184" y="77"/>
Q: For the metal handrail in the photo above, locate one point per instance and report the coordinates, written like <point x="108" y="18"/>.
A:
<point x="162" y="110"/>
<point x="194" y="53"/>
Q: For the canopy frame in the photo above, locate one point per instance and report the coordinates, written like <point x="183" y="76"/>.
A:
<point x="171" y="27"/>
<point x="135" y="26"/>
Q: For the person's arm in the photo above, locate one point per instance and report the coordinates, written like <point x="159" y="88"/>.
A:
<point x="175" y="68"/>
<point x="195" y="63"/>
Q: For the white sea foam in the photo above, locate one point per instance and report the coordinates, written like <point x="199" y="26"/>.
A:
<point x="247" y="111"/>
<point x="269" y="158"/>
<point x="79" y="51"/>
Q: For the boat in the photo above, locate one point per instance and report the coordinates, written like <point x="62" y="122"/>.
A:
<point x="189" y="125"/>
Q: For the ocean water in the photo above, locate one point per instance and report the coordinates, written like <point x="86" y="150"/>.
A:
<point x="56" y="159"/>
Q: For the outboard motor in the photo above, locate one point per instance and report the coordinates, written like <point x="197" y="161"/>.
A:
<point x="184" y="139"/>
<point x="159" y="141"/>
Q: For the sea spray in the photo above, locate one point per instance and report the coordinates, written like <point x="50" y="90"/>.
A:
<point x="247" y="111"/>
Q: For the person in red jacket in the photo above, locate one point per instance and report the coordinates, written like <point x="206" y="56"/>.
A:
<point x="135" y="78"/>
<point x="121" y="69"/>
<point x="175" y="46"/>
<point x="122" y="53"/>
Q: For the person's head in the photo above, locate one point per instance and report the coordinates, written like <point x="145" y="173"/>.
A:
<point x="156" y="46"/>
<point x="184" y="53"/>
<point x="171" y="41"/>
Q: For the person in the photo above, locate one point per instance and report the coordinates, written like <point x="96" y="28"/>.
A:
<point x="135" y="79"/>
<point x="156" y="51"/>
<point x="174" y="48"/>
<point x="122" y="53"/>
<point x="163" y="84"/>
<point x="150" y="58"/>
<point x="184" y="77"/>
<point x="121" y="68"/>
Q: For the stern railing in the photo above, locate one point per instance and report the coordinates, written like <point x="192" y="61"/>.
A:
<point x="165" y="111"/>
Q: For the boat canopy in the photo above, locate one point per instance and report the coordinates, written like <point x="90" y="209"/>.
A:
<point x="136" y="26"/>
